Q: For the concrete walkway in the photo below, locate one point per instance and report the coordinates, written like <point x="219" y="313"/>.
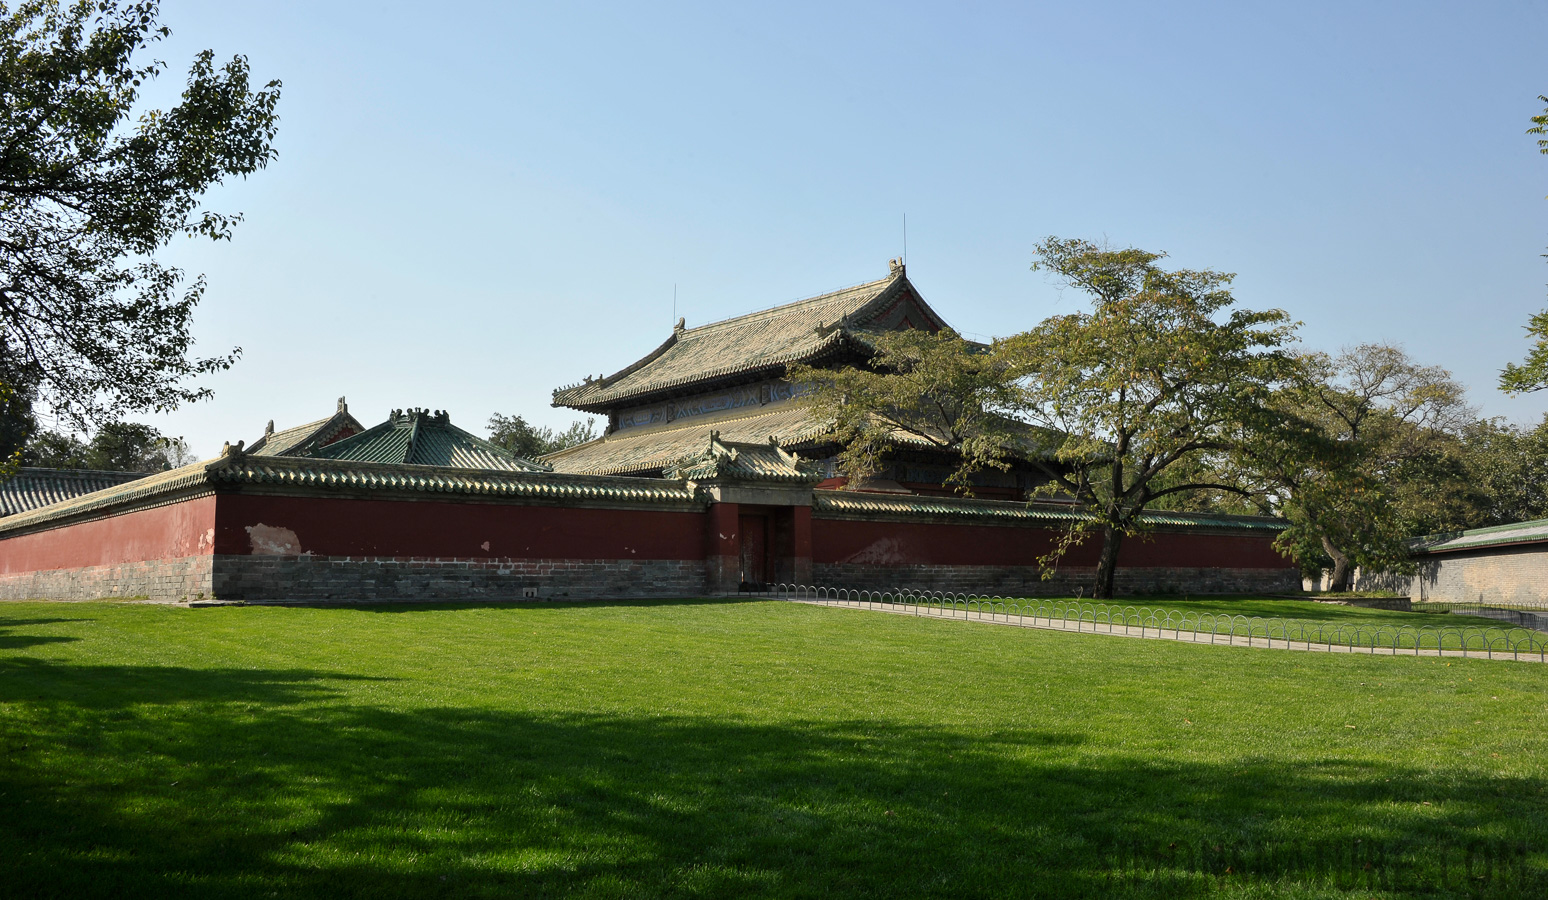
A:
<point x="1134" y="631"/>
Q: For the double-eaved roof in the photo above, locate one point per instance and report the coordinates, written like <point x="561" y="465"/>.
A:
<point x="757" y="345"/>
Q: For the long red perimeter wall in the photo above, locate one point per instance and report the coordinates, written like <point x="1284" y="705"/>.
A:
<point x="307" y="548"/>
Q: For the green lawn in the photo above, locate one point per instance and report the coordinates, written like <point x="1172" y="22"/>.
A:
<point x="1305" y="610"/>
<point x="740" y="749"/>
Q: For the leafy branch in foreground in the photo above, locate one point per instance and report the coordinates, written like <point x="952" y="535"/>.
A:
<point x="1532" y="375"/>
<point x="90" y="322"/>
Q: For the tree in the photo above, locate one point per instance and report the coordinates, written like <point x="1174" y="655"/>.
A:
<point x="1532" y="375"/>
<point x="1160" y="374"/>
<point x="930" y="387"/>
<point x="91" y="324"/>
<point x="1382" y="462"/>
<point x="116" y="447"/>
<point x="1509" y="467"/>
<point x="529" y="441"/>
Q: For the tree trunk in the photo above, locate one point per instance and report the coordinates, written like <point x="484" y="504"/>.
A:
<point x="1107" y="564"/>
<point x="1341" y="570"/>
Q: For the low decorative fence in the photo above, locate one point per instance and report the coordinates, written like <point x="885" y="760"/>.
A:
<point x="1225" y="628"/>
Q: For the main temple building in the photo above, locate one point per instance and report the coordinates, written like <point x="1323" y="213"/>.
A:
<point x="728" y="378"/>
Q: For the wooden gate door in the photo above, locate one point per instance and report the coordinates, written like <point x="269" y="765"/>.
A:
<point x="755" y="549"/>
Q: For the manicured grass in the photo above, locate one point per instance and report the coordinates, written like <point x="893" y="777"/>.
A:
<point x="1305" y="610"/>
<point x="732" y="749"/>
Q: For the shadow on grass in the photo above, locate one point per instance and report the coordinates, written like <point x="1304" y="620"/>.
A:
<point x="10" y="641"/>
<point x="398" y="607"/>
<point x="143" y="781"/>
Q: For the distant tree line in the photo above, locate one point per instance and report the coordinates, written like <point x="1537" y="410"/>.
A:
<point x="116" y="447"/>
<point x="531" y="441"/>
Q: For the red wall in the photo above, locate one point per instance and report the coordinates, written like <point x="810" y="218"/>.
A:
<point x="166" y="532"/>
<point x="388" y="528"/>
<point x="922" y="544"/>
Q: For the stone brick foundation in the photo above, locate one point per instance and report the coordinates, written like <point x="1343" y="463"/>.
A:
<point x="187" y="578"/>
<point x="312" y="579"/>
<point x="1027" y="581"/>
<point x="1515" y="576"/>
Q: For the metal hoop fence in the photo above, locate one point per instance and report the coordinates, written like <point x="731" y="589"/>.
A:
<point x="1115" y="618"/>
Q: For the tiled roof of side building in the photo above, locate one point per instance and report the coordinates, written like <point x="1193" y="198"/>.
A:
<point x="33" y="487"/>
<point x="759" y="342"/>
<point x="421" y="438"/>
<point x="1533" y="532"/>
<point x="743" y="462"/>
<point x="326" y="475"/>
<point x="303" y="438"/>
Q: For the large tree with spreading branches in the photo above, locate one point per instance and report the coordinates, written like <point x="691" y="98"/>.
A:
<point x="1160" y="374"/>
<point x="92" y="324"/>
<point x="1122" y="408"/>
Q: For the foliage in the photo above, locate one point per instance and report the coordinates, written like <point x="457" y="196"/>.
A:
<point x="116" y="447"/>
<point x="1532" y="375"/>
<point x="1509" y="466"/>
<point x="1158" y="378"/>
<point x="91" y="324"/>
<point x="1383" y="464"/>
<point x="718" y="749"/>
<point x="529" y="441"/>
<point x="933" y="388"/>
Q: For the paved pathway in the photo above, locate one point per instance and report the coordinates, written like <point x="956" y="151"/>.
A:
<point x="1135" y="631"/>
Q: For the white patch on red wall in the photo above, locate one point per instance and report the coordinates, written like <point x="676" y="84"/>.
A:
<point x="272" y="540"/>
<point x="885" y="552"/>
<point x="207" y="539"/>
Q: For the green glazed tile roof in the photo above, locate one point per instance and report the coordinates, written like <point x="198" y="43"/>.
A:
<point x="652" y="448"/>
<point x="723" y="460"/>
<point x="1535" y="531"/>
<point x="419" y="438"/>
<point x="33" y="487"/>
<point x="767" y="340"/>
<point x="856" y="502"/>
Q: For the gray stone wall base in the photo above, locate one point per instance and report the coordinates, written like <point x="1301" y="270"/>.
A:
<point x="1027" y="581"/>
<point x="313" y="579"/>
<point x="1512" y="576"/>
<point x="186" y="578"/>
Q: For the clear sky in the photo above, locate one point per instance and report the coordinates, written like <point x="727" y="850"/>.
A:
<point x="476" y="203"/>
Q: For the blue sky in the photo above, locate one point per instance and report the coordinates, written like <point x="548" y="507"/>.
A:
<point x="476" y="204"/>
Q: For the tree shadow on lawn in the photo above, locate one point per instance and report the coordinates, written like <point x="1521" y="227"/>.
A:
<point x="428" y="606"/>
<point x="147" y="781"/>
<point x="10" y="641"/>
